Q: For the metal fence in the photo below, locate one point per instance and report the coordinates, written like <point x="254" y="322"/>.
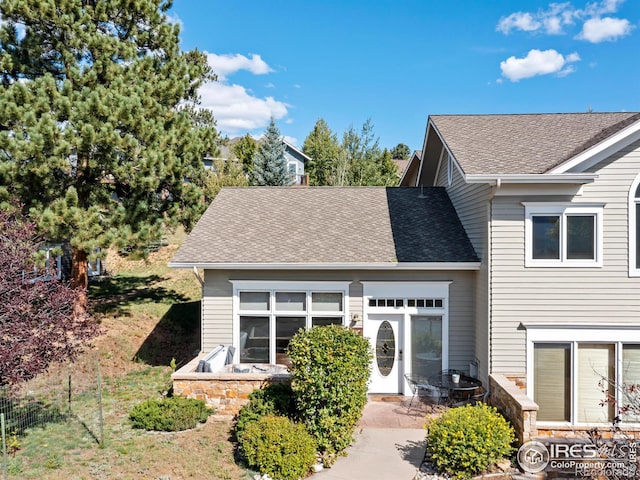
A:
<point x="62" y="396"/>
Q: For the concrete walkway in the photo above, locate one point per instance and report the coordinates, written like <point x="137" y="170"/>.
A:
<point x="389" y="442"/>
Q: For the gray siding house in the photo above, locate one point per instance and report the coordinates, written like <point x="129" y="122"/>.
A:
<point x="512" y="250"/>
<point x="296" y="161"/>
<point x="551" y="205"/>
<point x="392" y="262"/>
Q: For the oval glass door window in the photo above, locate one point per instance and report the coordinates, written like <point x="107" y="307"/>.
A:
<point x="385" y="348"/>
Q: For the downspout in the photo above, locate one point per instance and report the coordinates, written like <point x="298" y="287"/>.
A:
<point x="201" y="281"/>
<point x="198" y="277"/>
<point x="490" y="360"/>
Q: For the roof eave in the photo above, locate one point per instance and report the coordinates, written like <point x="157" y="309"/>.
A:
<point x="395" y="266"/>
<point x="564" y="178"/>
<point x="297" y="150"/>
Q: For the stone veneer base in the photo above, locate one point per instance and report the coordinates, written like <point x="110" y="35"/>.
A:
<point x="226" y="392"/>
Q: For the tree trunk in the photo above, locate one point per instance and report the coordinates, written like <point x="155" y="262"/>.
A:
<point x="80" y="277"/>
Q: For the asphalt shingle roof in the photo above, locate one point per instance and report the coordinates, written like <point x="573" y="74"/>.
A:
<point x="269" y="225"/>
<point x="524" y="143"/>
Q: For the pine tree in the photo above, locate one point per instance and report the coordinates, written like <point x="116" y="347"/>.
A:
<point x="100" y="138"/>
<point x="401" y="152"/>
<point x="269" y="165"/>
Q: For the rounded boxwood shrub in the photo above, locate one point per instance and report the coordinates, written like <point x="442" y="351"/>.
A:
<point x="467" y="440"/>
<point x="276" y="399"/>
<point x="169" y="414"/>
<point x="330" y="368"/>
<point x="279" y="447"/>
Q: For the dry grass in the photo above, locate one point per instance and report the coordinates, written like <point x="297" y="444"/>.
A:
<point x="150" y="315"/>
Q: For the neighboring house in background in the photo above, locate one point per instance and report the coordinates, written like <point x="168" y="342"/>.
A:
<point x="402" y="165"/>
<point x="57" y="258"/>
<point x="224" y="154"/>
<point x="409" y="174"/>
<point x="512" y="253"/>
<point x="296" y="161"/>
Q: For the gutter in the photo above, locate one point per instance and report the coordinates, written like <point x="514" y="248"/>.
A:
<point x="388" y="266"/>
<point x="565" y="178"/>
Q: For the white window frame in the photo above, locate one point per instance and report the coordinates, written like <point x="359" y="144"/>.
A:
<point x="617" y="335"/>
<point x="563" y="210"/>
<point x="449" y="170"/>
<point x="633" y="201"/>
<point x="275" y="286"/>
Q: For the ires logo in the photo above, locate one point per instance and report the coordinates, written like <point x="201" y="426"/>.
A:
<point x="560" y="451"/>
<point x="608" y="459"/>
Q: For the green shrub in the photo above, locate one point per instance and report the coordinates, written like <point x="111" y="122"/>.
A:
<point x="279" y="447"/>
<point x="467" y="440"/>
<point x="169" y="414"/>
<point x="276" y="399"/>
<point x="329" y="374"/>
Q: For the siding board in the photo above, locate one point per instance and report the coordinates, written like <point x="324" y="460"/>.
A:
<point x="587" y="296"/>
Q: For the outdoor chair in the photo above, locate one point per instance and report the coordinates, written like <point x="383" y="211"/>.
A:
<point x="417" y="383"/>
<point x="480" y="396"/>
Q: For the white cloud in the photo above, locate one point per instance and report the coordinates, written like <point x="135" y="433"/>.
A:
<point x="553" y="25"/>
<point x="224" y="65"/>
<point x="174" y="19"/>
<point x="518" y="21"/>
<point x="596" y="30"/>
<point x="291" y="140"/>
<point x="595" y="9"/>
<point x="558" y="16"/>
<point x="538" y="62"/>
<point x="236" y="110"/>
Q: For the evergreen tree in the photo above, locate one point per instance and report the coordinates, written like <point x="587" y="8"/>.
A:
<point x="269" y="165"/>
<point x="322" y="146"/>
<point x="99" y="135"/>
<point x="244" y="150"/>
<point x="400" y="152"/>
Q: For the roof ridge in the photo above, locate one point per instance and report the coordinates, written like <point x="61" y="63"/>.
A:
<point x="599" y="137"/>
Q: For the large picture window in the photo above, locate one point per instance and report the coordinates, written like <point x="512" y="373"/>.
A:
<point x="574" y="372"/>
<point x="267" y="318"/>
<point x="557" y="235"/>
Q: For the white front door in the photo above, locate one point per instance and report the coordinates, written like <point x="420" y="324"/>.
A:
<point x="385" y="335"/>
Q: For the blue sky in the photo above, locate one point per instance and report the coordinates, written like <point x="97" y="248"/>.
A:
<point x="396" y="62"/>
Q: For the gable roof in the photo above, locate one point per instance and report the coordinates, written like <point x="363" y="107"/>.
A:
<point x="296" y="152"/>
<point x="523" y="143"/>
<point x="327" y="227"/>
<point x="410" y="173"/>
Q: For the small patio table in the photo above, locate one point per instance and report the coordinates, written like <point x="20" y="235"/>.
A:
<point x="462" y="389"/>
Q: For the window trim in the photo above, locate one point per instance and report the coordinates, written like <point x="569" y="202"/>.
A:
<point x="563" y="211"/>
<point x="275" y="286"/>
<point x="633" y="241"/>
<point x="618" y="335"/>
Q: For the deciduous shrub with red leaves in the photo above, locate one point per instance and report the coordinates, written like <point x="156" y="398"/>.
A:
<point x="39" y="321"/>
